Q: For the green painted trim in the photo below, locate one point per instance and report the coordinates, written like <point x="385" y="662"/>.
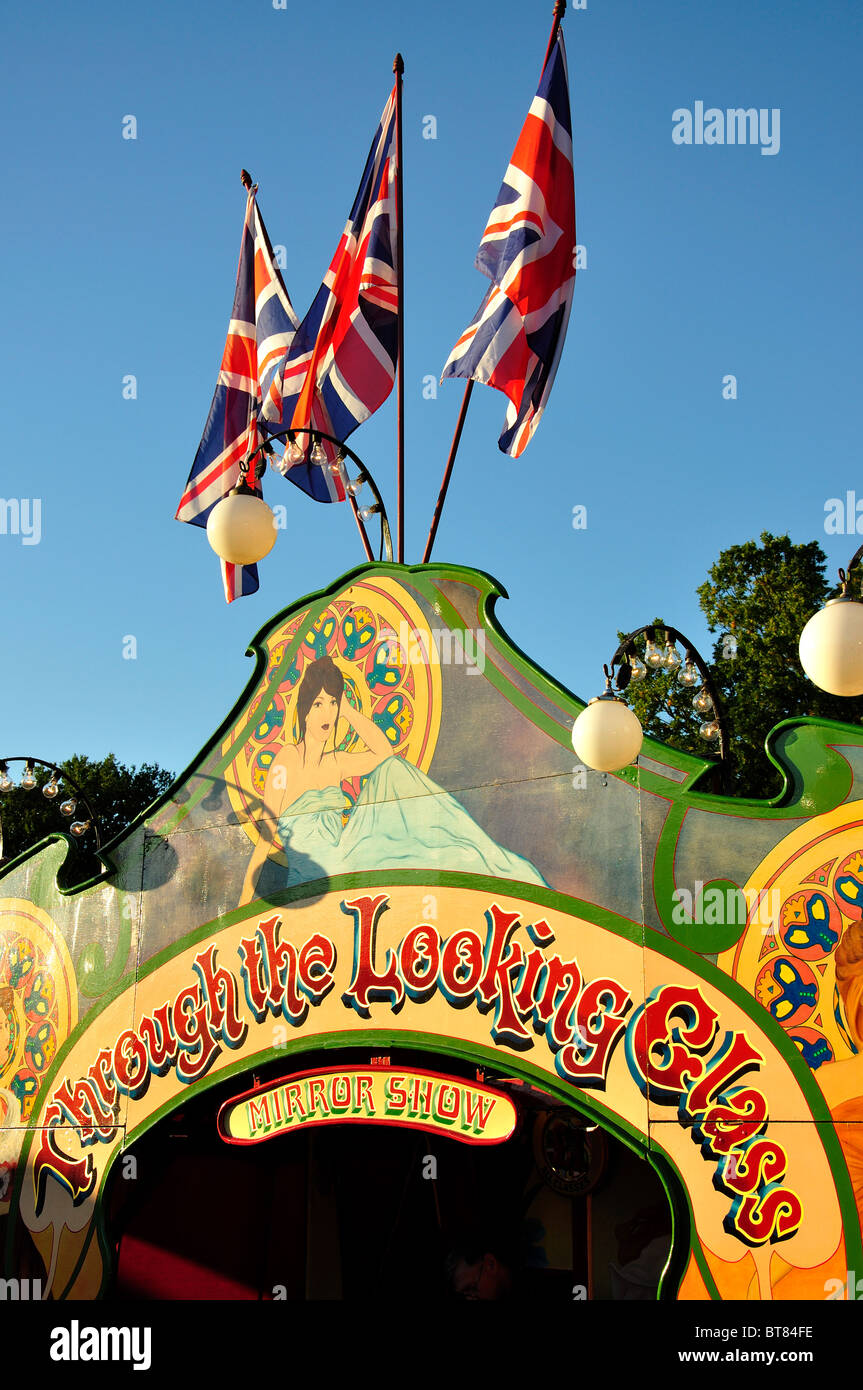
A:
<point x="69" y="889"/>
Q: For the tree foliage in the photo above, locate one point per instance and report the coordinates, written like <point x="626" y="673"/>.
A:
<point x="116" y="795"/>
<point x="757" y="599"/>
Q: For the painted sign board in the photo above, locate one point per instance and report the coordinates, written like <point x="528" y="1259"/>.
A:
<point x="404" y="1097"/>
<point x="385" y="846"/>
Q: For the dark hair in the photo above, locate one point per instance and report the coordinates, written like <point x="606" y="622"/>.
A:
<point x="323" y="674"/>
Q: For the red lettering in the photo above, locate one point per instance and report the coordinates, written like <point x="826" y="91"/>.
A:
<point x="728" y="1125"/>
<point x="161" y="1053"/>
<point x="773" y="1215"/>
<point x="397" y="1096"/>
<point x="77" y="1176"/>
<point x="104" y="1079"/>
<point x="130" y="1064"/>
<point x="422" y="944"/>
<point x="367" y="981"/>
<point x="280" y="972"/>
<point x="462" y="953"/>
<point x="524" y="996"/>
<point x="600" y="1023"/>
<point x="251" y="969"/>
<point x="82" y="1105"/>
<point x="746" y="1170"/>
<point x="447" y="1112"/>
<point x="549" y="1011"/>
<point x="734" y="1059"/>
<point x="199" y="1048"/>
<point x="655" y="1029"/>
<point x="315" y="965"/>
<point x="503" y="958"/>
<point x="340" y="1102"/>
<point x="293" y="1094"/>
<point x="363" y="1094"/>
<point x="219" y="992"/>
<point x="259" y="1114"/>
<point x="317" y="1095"/>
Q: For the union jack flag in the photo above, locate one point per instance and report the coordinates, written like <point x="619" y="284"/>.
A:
<point x="262" y="326"/>
<point x="515" y="340"/>
<point x="341" y="365"/>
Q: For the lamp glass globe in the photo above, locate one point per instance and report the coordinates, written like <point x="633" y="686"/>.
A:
<point x="831" y="648"/>
<point x="607" y="735"/>
<point x="241" y="529"/>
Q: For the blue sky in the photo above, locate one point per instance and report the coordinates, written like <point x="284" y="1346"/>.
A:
<point x="702" y="261"/>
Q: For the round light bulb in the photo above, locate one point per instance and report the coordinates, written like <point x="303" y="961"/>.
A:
<point x="353" y="486"/>
<point x="51" y="789"/>
<point x="6" y="783"/>
<point x="28" y="781"/>
<point x="294" y="453"/>
<point x="831" y="647"/>
<point x="689" y="675"/>
<point x="280" y="466"/>
<point x="318" y="454"/>
<point x="671" y="660"/>
<point x="67" y="808"/>
<point x="709" y="731"/>
<point x="368" y="512"/>
<point x="652" y="655"/>
<point x="79" y="828"/>
<point x="606" y="735"/>
<point x="702" y="704"/>
<point x="638" y="670"/>
<point x="241" y="528"/>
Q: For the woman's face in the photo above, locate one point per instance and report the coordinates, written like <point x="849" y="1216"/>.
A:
<point x="321" y="719"/>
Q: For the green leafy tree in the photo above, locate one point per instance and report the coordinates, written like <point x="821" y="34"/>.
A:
<point x="116" y="795"/>
<point x="757" y="599"/>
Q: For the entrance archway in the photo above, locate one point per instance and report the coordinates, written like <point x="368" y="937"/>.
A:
<point x="357" y="1211"/>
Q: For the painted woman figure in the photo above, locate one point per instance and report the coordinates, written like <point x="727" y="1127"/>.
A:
<point x="401" y="820"/>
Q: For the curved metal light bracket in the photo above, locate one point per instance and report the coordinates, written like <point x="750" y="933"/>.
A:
<point x="674" y="635"/>
<point x="315" y="437"/>
<point x="845" y="575"/>
<point x="76" y="789"/>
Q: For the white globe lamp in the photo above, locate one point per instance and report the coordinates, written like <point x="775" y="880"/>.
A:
<point x="606" y="735"/>
<point x="831" y="647"/>
<point x="241" y="528"/>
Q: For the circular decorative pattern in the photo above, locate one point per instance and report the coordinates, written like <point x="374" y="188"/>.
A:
<point x="811" y="888"/>
<point x="788" y="989"/>
<point x="848" y="885"/>
<point x="38" y="1010"/>
<point x="381" y="642"/>
<point x="810" y="924"/>
<point x="814" y="1046"/>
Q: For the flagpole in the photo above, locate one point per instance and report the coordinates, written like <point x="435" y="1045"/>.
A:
<point x="398" y="69"/>
<point x="453" y="450"/>
<point x="559" y="12"/>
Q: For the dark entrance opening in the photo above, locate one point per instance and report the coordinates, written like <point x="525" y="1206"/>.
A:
<point x="360" y="1212"/>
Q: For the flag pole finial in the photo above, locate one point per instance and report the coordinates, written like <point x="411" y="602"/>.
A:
<point x="399" y="62"/>
<point x="246" y="178"/>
